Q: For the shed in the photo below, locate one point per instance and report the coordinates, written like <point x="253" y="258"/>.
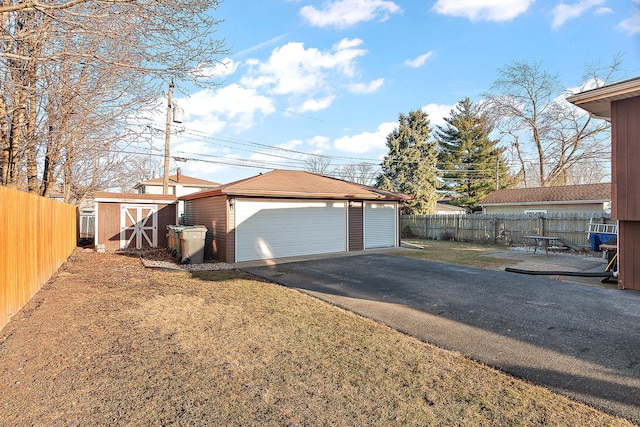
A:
<point x="134" y="221"/>
<point x="287" y="213"/>
<point x="619" y="103"/>
<point x="585" y="198"/>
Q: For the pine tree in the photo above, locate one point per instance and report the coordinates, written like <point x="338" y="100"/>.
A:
<point x="410" y="165"/>
<point x="470" y="160"/>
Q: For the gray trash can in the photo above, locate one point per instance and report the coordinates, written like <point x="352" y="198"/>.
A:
<point x="192" y="244"/>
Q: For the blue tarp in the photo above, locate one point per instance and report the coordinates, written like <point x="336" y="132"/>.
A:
<point x="597" y="239"/>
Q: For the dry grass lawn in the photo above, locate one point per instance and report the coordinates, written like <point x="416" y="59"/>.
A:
<point x="107" y="342"/>
<point x="470" y="254"/>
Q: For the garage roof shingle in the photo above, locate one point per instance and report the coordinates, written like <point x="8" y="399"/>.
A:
<point x="298" y="184"/>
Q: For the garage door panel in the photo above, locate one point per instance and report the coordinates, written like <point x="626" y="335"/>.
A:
<point x="276" y="229"/>
<point x="380" y="225"/>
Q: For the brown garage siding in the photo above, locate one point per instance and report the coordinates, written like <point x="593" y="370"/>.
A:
<point x="356" y="226"/>
<point x="628" y="252"/>
<point x="231" y="231"/>
<point x="625" y="135"/>
<point x="210" y="212"/>
<point x="625" y="156"/>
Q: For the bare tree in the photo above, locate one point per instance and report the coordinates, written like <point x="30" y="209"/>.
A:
<point x="361" y="173"/>
<point x="529" y="107"/>
<point x="78" y="76"/>
<point x="317" y="164"/>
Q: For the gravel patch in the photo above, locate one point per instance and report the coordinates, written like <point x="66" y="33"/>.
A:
<point x="169" y="265"/>
<point x="160" y="259"/>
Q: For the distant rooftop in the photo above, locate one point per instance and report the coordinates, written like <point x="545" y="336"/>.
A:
<point x="574" y="193"/>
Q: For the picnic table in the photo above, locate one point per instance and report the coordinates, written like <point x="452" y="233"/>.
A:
<point x="548" y="243"/>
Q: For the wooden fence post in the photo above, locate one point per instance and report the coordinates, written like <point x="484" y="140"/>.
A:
<point x="425" y="226"/>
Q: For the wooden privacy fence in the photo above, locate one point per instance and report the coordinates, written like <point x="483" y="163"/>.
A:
<point x="507" y="229"/>
<point x="36" y="236"/>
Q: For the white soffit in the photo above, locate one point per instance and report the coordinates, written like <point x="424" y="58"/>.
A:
<point x="598" y="101"/>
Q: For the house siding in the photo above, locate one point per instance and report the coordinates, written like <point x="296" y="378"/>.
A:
<point x="625" y="155"/>
<point x="356" y="226"/>
<point x="210" y="212"/>
<point x="596" y="208"/>
<point x="628" y="253"/>
<point x="625" y="135"/>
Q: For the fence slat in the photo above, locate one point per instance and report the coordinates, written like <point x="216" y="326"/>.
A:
<point x="36" y="236"/>
<point x="507" y="229"/>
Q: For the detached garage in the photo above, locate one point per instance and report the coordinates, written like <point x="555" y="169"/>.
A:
<point x="292" y="213"/>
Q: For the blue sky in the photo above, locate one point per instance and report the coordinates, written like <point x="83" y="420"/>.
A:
<point x="330" y="77"/>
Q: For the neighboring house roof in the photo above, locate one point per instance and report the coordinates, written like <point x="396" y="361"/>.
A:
<point x="598" y="101"/>
<point x="179" y="179"/>
<point x="445" y="207"/>
<point x="585" y="193"/>
<point x="298" y="184"/>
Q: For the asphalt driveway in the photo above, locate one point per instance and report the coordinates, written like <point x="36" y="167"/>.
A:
<point x="578" y="340"/>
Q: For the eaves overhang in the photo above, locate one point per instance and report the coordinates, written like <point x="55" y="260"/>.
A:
<point x="598" y="101"/>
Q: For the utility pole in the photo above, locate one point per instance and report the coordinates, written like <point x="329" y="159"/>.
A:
<point x="167" y="142"/>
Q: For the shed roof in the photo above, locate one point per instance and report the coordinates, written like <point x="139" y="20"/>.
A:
<point x="584" y="193"/>
<point x="598" y="101"/>
<point x="106" y="196"/>
<point x="298" y="184"/>
<point x="180" y="179"/>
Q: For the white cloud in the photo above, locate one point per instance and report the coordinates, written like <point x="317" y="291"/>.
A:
<point x="603" y="11"/>
<point x="631" y="25"/>
<point x="224" y="68"/>
<point x="364" y="88"/>
<point x="366" y="141"/>
<point x="204" y="170"/>
<point x="346" y="13"/>
<point x="437" y="113"/>
<point x="483" y="10"/>
<point x="274" y="158"/>
<point x="292" y="69"/>
<point x="199" y="149"/>
<point x="564" y="12"/>
<point x="419" y="61"/>
<point x="233" y="105"/>
<point x="320" y="142"/>
<point x="316" y="104"/>
<point x="290" y="145"/>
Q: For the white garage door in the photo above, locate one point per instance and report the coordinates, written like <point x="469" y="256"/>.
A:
<point x="380" y="225"/>
<point x="278" y="229"/>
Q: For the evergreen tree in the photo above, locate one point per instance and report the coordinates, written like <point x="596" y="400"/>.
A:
<point x="410" y="165"/>
<point x="470" y="160"/>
